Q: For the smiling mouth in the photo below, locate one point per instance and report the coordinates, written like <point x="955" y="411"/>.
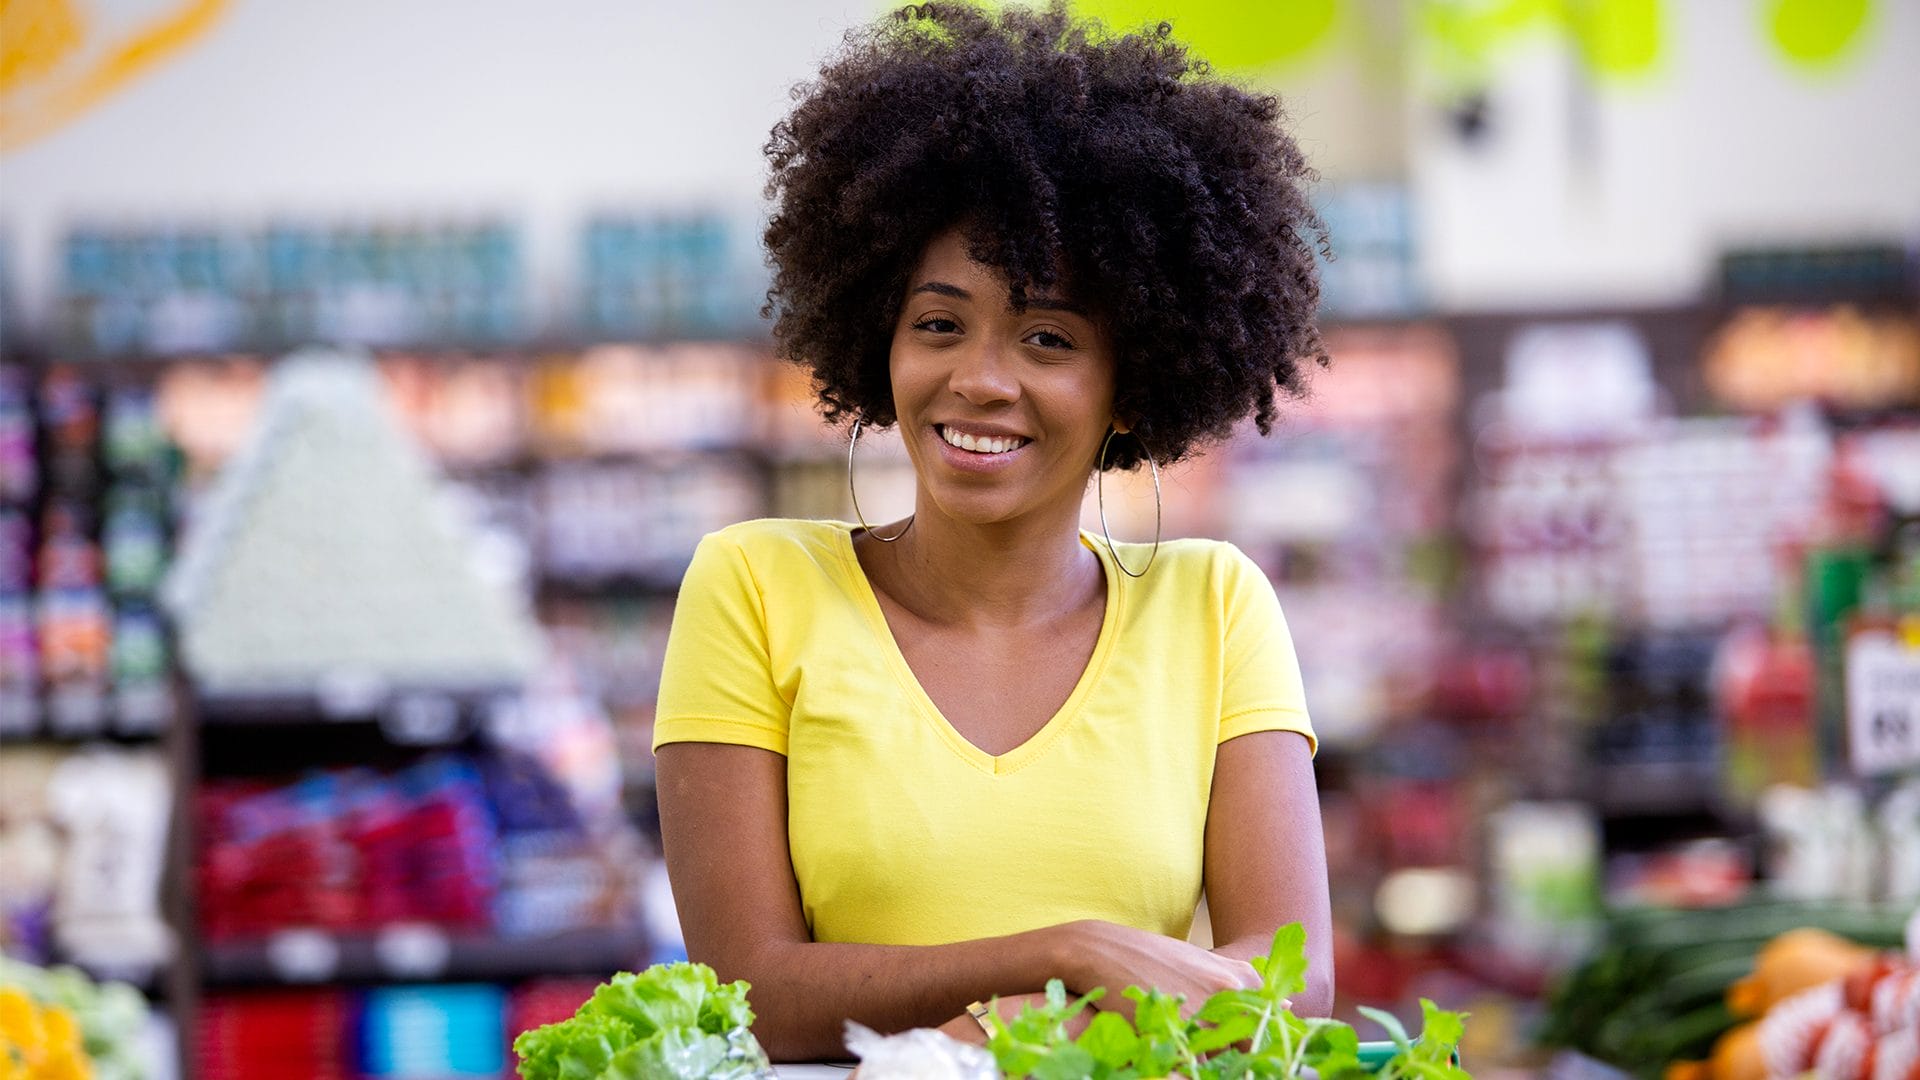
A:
<point x="985" y="446"/>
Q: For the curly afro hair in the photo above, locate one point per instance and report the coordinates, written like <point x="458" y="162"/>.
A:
<point x="1172" y="204"/>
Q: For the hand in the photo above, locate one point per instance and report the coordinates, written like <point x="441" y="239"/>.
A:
<point x="1114" y="956"/>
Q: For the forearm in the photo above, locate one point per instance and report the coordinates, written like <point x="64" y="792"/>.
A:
<point x="804" y="992"/>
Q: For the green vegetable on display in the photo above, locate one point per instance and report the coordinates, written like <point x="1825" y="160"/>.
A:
<point x="669" y="1022"/>
<point x="678" y="1022"/>
<point x="1235" y="1034"/>
<point x="112" y="1015"/>
<point x="1654" y="988"/>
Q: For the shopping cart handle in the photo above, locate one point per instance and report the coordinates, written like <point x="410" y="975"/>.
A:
<point x="1375" y="1054"/>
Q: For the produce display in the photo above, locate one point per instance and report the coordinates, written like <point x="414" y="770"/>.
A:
<point x="1689" y="994"/>
<point x="670" y="1022"/>
<point x="1820" y="1004"/>
<point x="60" y="1025"/>
<point x="677" y="1020"/>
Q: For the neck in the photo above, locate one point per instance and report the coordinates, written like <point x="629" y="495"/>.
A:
<point x="1003" y="574"/>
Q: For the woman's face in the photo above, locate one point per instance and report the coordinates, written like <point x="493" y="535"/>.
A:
<point x="1002" y="413"/>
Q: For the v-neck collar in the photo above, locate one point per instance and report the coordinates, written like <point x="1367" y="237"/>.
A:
<point x="1062" y="719"/>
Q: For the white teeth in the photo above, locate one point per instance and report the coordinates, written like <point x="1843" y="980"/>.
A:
<point x="998" y="445"/>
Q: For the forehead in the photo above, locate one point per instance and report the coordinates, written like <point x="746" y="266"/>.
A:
<point x="946" y="260"/>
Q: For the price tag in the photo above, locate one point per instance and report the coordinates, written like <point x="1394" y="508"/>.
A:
<point x="413" y="951"/>
<point x="303" y="955"/>
<point x="1883" y="704"/>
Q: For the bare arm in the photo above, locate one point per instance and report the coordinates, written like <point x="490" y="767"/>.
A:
<point x="1266" y="860"/>
<point x="723" y="823"/>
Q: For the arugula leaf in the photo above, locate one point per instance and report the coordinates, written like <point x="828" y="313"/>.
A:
<point x="1111" y="1041"/>
<point x="1440" y="1032"/>
<point x="1157" y="1017"/>
<point x="1236" y="1028"/>
<point x="1334" y="1050"/>
<point x="1234" y="1035"/>
<point x="1431" y="1057"/>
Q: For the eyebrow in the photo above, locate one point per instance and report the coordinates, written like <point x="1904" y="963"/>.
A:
<point x="1035" y="303"/>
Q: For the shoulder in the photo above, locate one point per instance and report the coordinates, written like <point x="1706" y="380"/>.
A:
<point x="787" y="552"/>
<point x="1193" y="565"/>
<point x="776" y="538"/>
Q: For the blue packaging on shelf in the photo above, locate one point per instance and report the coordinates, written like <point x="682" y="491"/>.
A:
<point x="433" y="1032"/>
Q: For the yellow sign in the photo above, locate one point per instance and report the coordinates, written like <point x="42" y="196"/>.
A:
<point x="1816" y="33"/>
<point x="59" y="58"/>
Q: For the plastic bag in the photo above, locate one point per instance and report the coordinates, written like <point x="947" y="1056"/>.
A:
<point x="920" y="1054"/>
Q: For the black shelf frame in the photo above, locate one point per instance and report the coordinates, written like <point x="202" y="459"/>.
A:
<point x="470" y="956"/>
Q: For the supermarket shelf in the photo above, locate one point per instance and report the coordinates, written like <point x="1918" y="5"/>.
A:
<point x="614" y="587"/>
<point x="345" y="702"/>
<point x="418" y="954"/>
<point x="69" y="739"/>
<point x="528" y="348"/>
<point x="535" y="460"/>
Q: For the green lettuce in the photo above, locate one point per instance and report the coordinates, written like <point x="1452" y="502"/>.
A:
<point x="669" y="1022"/>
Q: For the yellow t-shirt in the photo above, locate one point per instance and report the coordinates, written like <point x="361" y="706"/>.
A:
<point x="902" y="832"/>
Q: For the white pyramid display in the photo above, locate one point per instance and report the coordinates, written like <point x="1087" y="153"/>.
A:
<point x="322" y="557"/>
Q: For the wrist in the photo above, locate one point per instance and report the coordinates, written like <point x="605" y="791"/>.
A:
<point x="1064" y="956"/>
<point x="963" y="1028"/>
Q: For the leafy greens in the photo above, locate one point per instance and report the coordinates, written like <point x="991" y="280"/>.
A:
<point x="669" y="1022"/>
<point x="1235" y="1034"/>
<point x="678" y="1022"/>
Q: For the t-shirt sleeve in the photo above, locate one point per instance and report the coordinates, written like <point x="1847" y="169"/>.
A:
<point x="1262" y="689"/>
<point x="716" y="682"/>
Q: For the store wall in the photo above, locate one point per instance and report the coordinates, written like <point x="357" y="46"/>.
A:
<point x="362" y="109"/>
<point x="434" y="108"/>
<point x="1624" y="191"/>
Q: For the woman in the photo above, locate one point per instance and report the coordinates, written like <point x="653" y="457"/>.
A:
<point x="909" y="768"/>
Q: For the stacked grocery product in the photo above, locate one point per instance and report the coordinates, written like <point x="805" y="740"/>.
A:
<point x="319" y="556"/>
<point x="456" y="1030"/>
<point x="85" y="538"/>
<point x="111" y="809"/>
<point x="455" y="841"/>
<point x="284" y="1033"/>
<point x="170" y="291"/>
<point x="694" y="274"/>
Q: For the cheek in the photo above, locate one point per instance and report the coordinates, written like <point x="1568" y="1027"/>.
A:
<point x="900" y="375"/>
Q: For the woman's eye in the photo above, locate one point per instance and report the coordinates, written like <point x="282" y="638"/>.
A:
<point x="1047" y="339"/>
<point x="937" y="325"/>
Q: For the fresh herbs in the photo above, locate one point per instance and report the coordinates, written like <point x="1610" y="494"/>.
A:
<point x="1235" y="1034"/>
<point x="671" y="1021"/>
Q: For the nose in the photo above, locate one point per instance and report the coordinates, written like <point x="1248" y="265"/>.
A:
<point x="983" y="374"/>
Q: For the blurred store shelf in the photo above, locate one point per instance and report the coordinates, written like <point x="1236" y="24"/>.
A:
<point x="418" y="954"/>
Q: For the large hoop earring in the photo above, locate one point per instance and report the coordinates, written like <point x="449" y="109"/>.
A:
<point x="1099" y="473"/>
<point x="851" y="443"/>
